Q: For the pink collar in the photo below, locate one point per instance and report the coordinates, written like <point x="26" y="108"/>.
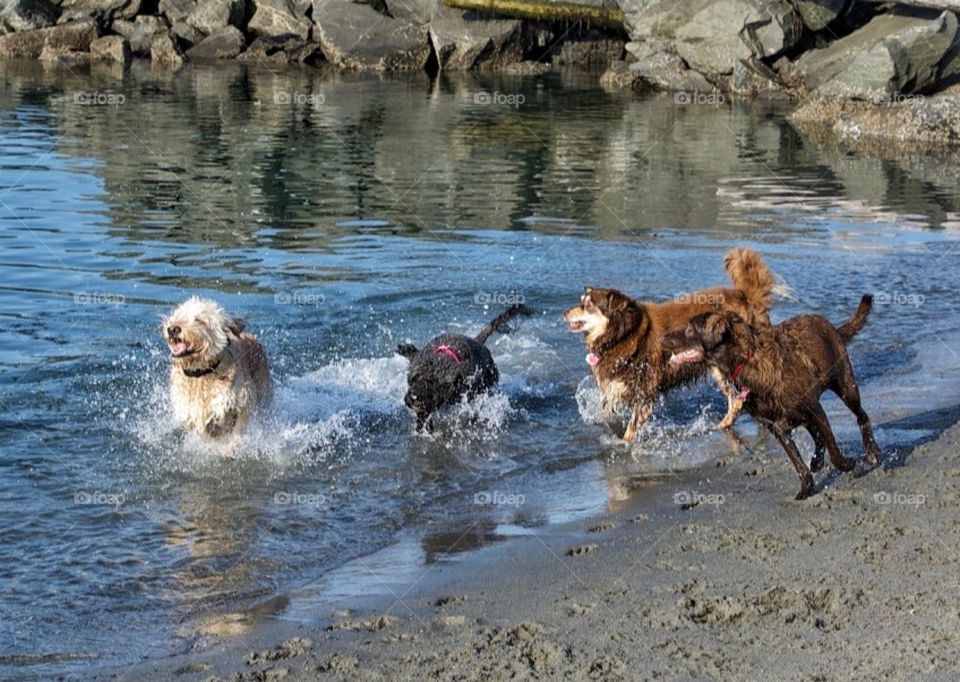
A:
<point x="739" y="368"/>
<point x="448" y="351"/>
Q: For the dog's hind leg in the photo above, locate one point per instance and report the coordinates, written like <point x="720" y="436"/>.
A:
<point x="818" y="420"/>
<point x="782" y="435"/>
<point x="845" y="386"/>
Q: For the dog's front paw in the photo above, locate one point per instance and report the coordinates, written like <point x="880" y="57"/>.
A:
<point x="219" y="427"/>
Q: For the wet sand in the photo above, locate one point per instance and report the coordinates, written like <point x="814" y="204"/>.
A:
<point x="720" y="575"/>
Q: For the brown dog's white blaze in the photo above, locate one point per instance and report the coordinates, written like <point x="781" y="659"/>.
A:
<point x="586" y="318"/>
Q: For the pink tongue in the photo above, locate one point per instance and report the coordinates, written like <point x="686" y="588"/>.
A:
<point x="180" y="348"/>
<point x="685" y="356"/>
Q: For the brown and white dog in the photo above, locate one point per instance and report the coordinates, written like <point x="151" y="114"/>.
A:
<point x="624" y="336"/>
<point x="219" y="375"/>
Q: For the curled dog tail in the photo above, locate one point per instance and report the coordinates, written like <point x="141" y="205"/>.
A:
<point x="500" y="322"/>
<point x="751" y="275"/>
<point x="850" y="328"/>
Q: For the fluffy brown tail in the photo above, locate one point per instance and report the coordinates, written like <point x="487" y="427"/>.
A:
<point x="501" y="322"/>
<point x="751" y="275"/>
<point x="849" y="329"/>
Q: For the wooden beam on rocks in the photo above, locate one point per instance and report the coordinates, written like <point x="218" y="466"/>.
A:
<point x="950" y="5"/>
<point x="541" y="10"/>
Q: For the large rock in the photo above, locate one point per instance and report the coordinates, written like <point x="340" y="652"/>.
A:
<point x="386" y="44"/>
<point x="665" y="71"/>
<point x="280" y="17"/>
<point x="103" y="11"/>
<point x="891" y="54"/>
<point x="287" y="49"/>
<point x="142" y="32"/>
<point x="224" y="44"/>
<point x="72" y="37"/>
<point x="712" y="35"/>
<point x="589" y="52"/>
<point x="462" y="44"/>
<point x="165" y="52"/>
<point x="415" y="11"/>
<point x="177" y="10"/>
<point x="26" y="15"/>
<point x="757" y="79"/>
<point x="110" y="49"/>
<point x="816" y="14"/>
<point x="210" y="16"/>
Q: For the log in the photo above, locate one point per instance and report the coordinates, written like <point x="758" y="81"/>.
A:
<point x="951" y="5"/>
<point x="540" y="10"/>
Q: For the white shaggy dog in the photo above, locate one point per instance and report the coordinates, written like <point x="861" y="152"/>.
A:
<point x="219" y="375"/>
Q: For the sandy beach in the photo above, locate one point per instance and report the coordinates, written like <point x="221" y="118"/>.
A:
<point x="730" y="579"/>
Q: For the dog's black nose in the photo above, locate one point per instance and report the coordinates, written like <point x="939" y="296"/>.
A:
<point x="173" y="331"/>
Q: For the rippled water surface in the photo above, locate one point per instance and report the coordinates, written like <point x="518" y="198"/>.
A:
<point x="339" y="217"/>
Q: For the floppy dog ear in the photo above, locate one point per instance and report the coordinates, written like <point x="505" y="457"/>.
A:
<point x="236" y="326"/>
<point x="714" y="329"/>
<point x="407" y="350"/>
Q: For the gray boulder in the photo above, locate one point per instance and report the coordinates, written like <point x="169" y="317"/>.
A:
<point x="712" y="35"/>
<point x="891" y="54"/>
<point x="103" y="11"/>
<point x="210" y="16"/>
<point x="186" y="34"/>
<point x="224" y="44"/>
<point x="462" y="44"/>
<point x="110" y="49"/>
<point x="287" y="49"/>
<point x="387" y="44"/>
<point x="414" y="11"/>
<point x="72" y="37"/>
<point x="165" y="52"/>
<point x="142" y="32"/>
<point x="589" y="52"/>
<point x="816" y="14"/>
<point x="278" y="18"/>
<point x="665" y="71"/>
<point x="757" y="79"/>
<point x="177" y="10"/>
<point x="26" y="15"/>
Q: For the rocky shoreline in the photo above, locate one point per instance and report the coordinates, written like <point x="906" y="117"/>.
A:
<point x="862" y="69"/>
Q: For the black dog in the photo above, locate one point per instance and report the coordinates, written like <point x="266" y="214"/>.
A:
<point x="452" y="366"/>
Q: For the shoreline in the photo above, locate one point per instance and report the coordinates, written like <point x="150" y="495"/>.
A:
<point x="737" y="581"/>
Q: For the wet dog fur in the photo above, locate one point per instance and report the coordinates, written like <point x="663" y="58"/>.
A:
<point x="218" y="373"/>
<point x="781" y="372"/>
<point x="452" y="367"/>
<point x="623" y="336"/>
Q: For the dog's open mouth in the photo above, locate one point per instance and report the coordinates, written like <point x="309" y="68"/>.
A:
<point x="180" y="349"/>
<point x="684" y="356"/>
<point x="576" y="325"/>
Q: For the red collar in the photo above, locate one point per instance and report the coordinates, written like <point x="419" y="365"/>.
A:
<point x="448" y="351"/>
<point x="739" y="368"/>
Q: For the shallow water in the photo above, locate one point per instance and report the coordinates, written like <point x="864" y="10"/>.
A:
<point x="365" y="213"/>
